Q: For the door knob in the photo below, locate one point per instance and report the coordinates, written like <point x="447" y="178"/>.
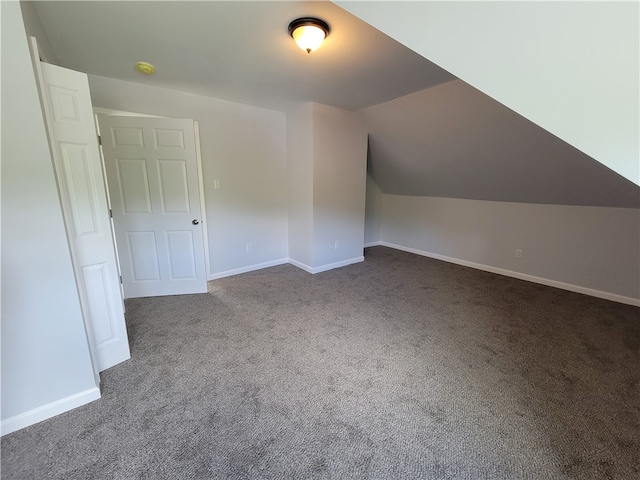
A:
<point x="195" y="222"/>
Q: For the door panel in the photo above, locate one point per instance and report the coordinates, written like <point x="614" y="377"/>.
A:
<point x="99" y="291"/>
<point x="76" y="165"/>
<point x="153" y="182"/>
<point x="133" y="184"/>
<point x="174" y="191"/>
<point x="181" y="255"/>
<point x="82" y="190"/>
<point x="144" y="254"/>
<point x="169" y="138"/>
<point x="123" y="137"/>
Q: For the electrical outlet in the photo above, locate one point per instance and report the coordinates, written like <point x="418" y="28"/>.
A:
<point x="518" y="253"/>
<point x="248" y="247"/>
<point x="216" y="184"/>
<point x="336" y="245"/>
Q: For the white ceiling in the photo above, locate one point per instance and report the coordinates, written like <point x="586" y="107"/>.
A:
<point x="238" y="51"/>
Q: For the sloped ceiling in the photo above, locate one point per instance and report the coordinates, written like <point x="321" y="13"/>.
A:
<point x="448" y="139"/>
<point x="572" y="67"/>
<point x="453" y="141"/>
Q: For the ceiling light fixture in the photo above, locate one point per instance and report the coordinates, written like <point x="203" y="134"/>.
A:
<point x="309" y="33"/>
<point x="145" y="68"/>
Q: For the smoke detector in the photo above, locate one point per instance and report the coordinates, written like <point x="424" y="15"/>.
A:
<point x="145" y="68"/>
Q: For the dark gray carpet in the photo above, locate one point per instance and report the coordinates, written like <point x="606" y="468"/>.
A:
<point x="398" y="367"/>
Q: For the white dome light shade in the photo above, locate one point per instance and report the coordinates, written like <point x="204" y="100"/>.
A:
<point x="308" y="33"/>
<point x="308" y="37"/>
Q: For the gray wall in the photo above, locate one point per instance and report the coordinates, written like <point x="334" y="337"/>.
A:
<point x="373" y="213"/>
<point x="243" y="147"/>
<point x="326" y="150"/>
<point x="45" y="355"/>
<point x="34" y="28"/>
<point x="339" y="180"/>
<point x="300" y="183"/>
<point x="592" y="250"/>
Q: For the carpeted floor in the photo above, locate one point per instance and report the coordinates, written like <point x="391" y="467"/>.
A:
<point x="397" y="367"/>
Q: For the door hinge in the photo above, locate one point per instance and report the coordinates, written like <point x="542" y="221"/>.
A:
<point x="120" y="278"/>
<point x="111" y="213"/>
<point x="99" y="140"/>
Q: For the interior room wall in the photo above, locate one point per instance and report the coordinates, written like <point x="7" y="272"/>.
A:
<point x="327" y="153"/>
<point x="300" y="183"/>
<point x="373" y="213"/>
<point x="594" y="250"/>
<point x="34" y="28"/>
<point x="339" y="183"/>
<point x="244" y="148"/>
<point x="570" y="67"/>
<point x="46" y="365"/>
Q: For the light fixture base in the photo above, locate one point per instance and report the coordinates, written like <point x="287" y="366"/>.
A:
<point x="309" y="32"/>
<point x="309" y="21"/>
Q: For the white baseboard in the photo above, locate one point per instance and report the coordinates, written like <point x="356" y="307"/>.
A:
<point x="301" y="265"/>
<point x="49" y="410"/>
<point x="250" y="268"/>
<point x="377" y="243"/>
<point x="329" y="266"/>
<point x="343" y="263"/>
<point x="521" y="276"/>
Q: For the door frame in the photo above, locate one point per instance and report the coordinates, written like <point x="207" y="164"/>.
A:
<point x="203" y="206"/>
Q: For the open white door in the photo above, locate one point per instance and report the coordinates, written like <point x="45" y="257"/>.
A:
<point x="153" y="185"/>
<point x="74" y="144"/>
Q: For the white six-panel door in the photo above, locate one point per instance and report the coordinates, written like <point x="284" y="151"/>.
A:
<point x="153" y="184"/>
<point x="80" y="176"/>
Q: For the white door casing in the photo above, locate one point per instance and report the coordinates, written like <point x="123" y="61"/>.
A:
<point x="74" y="145"/>
<point x="152" y="175"/>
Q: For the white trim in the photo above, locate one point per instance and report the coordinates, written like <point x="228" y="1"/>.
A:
<point x="343" y="263"/>
<point x="250" y="268"/>
<point x="377" y="243"/>
<point x="282" y="261"/>
<point x="521" y="276"/>
<point x="121" y="113"/>
<point x="301" y="265"/>
<point x="324" y="268"/>
<point x="49" y="410"/>
<point x="203" y="203"/>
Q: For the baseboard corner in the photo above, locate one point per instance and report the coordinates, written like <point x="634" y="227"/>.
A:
<point x="343" y="263"/>
<point x="377" y="243"/>
<point x="327" y="267"/>
<point x="302" y="266"/>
